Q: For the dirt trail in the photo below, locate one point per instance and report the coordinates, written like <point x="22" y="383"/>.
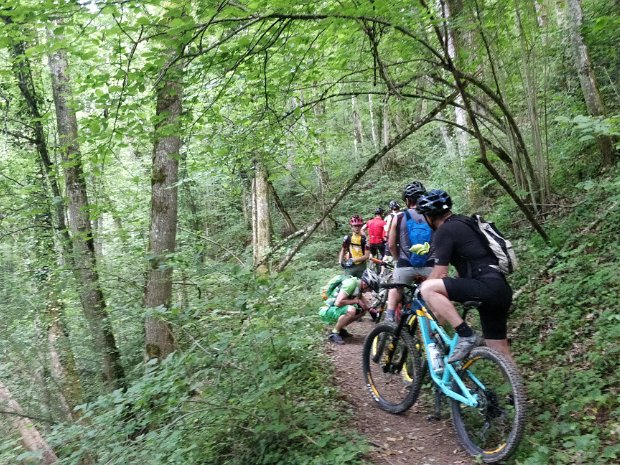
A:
<point x="397" y="439"/>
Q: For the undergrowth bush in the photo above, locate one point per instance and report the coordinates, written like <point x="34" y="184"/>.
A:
<point x="567" y="332"/>
<point x="250" y="385"/>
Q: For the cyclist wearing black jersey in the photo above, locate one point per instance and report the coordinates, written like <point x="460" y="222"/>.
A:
<point x="456" y="242"/>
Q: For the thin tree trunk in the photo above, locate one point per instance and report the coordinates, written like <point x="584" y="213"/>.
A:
<point x="587" y="79"/>
<point x="62" y="362"/>
<point x="447" y="137"/>
<point x="528" y="60"/>
<point x="458" y="79"/>
<point x="261" y="218"/>
<point x="373" y="129"/>
<point x="453" y="8"/>
<point x="31" y="438"/>
<point x="358" y="132"/>
<point x="319" y="168"/>
<point x="159" y="338"/>
<point x="290" y="225"/>
<point x="388" y="163"/>
<point x="321" y="178"/>
<point x="84" y="259"/>
<point x="23" y="73"/>
<point x="246" y="201"/>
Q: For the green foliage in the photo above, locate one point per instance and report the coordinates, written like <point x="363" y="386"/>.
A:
<point x="250" y="386"/>
<point x="249" y="383"/>
<point x="567" y="338"/>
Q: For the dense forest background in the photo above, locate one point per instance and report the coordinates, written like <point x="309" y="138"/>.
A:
<point x="176" y="178"/>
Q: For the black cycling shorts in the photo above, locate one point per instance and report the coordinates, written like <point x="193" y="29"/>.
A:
<point x="376" y="250"/>
<point x="496" y="297"/>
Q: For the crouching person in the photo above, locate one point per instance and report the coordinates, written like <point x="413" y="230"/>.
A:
<point x="348" y="304"/>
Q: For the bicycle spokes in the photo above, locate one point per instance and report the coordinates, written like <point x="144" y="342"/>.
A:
<point x="392" y="368"/>
<point x="493" y="428"/>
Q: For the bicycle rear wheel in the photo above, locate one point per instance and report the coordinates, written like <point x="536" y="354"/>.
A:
<point x="392" y="368"/>
<point x="492" y="430"/>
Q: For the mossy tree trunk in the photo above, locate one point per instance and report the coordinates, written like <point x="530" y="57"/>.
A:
<point x="261" y="218"/>
<point x="84" y="261"/>
<point x="159" y="338"/>
<point x="587" y="78"/>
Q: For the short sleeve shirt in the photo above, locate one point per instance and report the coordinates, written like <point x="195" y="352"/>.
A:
<point x="456" y="243"/>
<point x="352" y="286"/>
<point x="376" y="230"/>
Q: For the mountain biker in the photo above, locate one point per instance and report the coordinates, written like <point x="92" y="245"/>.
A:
<point x="375" y="231"/>
<point x="354" y="251"/>
<point x="394" y="209"/>
<point x="399" y="244"/>
<point x="457" y="243"/>
<point x="350" y="303"/>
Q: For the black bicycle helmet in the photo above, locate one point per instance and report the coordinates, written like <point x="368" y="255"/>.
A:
<point x="434" y="203"/>
<point x="413" y="191"/>
<point x="394" y="205"/>
<point x="371" y="278"/>
<point x="379" y="211"/>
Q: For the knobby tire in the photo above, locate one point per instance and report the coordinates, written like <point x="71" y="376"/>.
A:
<point x="395" y="386"/>
<point x="493" y="430"/>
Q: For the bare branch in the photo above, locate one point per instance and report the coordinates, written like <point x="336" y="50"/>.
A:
<point x="357" y="176"/>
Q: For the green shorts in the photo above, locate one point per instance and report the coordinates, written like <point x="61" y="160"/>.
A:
<point x="330" y="314"/>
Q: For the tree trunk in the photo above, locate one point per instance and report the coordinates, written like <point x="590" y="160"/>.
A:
<point x="23" y="73"/>
<point x="246" y="201"/>
<point x="84" y="260"/>
<point x="62" y="362"/>
<point x="159" y="338"/>
<point x="290" y="227"/>
<point x="321" y="179"/>
<point x="31" y="438"/>
<point x="389" y="161"/>
<point x="447" y="137"/>
<point x="373" y="129"/>
<point x="528" y="61"/>
<point x="261" y="219"/>
<point x="587" y="79"/>
<point x="358" y="132"/>
<point x="319" y="169"/>
<point x="453" y="8"/>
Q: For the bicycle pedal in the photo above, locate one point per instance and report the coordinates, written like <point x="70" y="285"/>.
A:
<point x="433" y="418"/>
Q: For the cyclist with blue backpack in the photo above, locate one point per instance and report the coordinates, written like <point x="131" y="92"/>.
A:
<point x="409" y="242"/>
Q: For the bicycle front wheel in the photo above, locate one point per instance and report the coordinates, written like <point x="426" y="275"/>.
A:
<point x="392" y="368"/>
<point x="493" y="429"/>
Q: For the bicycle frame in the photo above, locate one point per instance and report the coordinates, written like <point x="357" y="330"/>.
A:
<point x="446" y="380"/>
<point x="415" y="312"/>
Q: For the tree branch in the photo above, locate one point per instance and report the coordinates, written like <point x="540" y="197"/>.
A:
<point x="357" y="176"/>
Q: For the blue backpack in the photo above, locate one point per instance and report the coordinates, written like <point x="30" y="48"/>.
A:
<point x="419" y="233"/>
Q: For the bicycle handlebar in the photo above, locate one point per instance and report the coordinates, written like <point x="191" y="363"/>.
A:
<point x="382" y="263"/>
<point x="413" y="287"/>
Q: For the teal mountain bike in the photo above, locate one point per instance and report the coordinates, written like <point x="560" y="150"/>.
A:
<point x="485" y="390"/>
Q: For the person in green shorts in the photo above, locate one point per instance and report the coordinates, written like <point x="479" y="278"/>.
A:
<point x="347" y="304"/>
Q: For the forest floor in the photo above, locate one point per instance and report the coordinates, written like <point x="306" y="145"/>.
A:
<point x="396" y="439"/>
